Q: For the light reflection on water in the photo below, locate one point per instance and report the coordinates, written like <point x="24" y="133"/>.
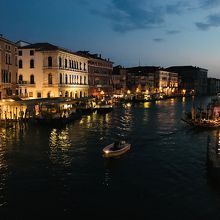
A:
<point x="163" y="171"/>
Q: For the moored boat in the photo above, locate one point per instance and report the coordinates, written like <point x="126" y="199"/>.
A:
<point x="56" y="113"/>
<point x="104" y="106"/>
<point x="208" y="117"/>
<point x="116" y="149"/>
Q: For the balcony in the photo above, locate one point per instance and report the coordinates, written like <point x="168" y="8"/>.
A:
<point x="26" y="83"/>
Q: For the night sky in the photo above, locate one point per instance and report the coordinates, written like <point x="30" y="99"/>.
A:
<point x="129" y="32"/>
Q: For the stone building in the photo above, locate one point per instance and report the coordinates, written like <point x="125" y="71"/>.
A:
<point x="192" y="79"/>
<point x="100" y="74"/>
<point x="46" y="70"/>
<point x="141" y="78"/>
<point x="213" y="86"/>
<point x="8" y="68"/>
<point x="119" y="77"/>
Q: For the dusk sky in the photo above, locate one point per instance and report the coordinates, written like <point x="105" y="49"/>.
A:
<point x="129" y="32"/>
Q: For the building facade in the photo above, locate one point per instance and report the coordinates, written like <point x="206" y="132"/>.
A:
<point x="213" y="86"/>
<point x="192" y="79"/>
<point x="119" y="78"/>
<point x="100" y="74"/>
<point x="46" y="70"/>
<point x="166" y="82"/>
<point x="8" y="68"/>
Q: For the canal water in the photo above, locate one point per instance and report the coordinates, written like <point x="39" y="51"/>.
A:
<point x="48" y="172"/>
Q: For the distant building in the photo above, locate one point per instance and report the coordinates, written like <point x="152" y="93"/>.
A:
<point x="213" y="86"/>
<point x="151" y="79"/>
<point x="119" y="77"/>
<point x="192" y="79"/>
<point x="8" y="68"/>
<point x="46" y="70"/>
<point x="100" y="74"/>
<point x="141" y="78"/>
<point x="166" y="82"/>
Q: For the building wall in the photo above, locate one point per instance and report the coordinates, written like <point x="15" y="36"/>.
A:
<point x="192" y="79"/>
<point x="56" y="73"/>
<point x="28" y="89"/>
<point x="8" y="68"/>
<point x="100" y="76"/>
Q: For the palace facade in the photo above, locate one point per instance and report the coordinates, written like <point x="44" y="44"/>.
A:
<point x="46" y="70"/>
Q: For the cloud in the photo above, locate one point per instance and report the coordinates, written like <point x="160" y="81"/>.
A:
<point x="210" y="3"/>
<point x="212" y="21"/>
<point x="127" y="15"/>
<point x="158" y="39"/>
<point x="172" y="32"/>
<point x="177" y="8"/>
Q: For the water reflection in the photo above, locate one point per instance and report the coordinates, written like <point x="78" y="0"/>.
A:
<point x="3" y="166"/>
<point x="60" y="143"/>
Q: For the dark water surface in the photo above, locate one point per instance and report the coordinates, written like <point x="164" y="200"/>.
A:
<point x="60" y="172"/>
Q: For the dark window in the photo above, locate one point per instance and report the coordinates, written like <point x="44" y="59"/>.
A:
<point x="60" y="62"/>
<point x="20" y="64"/>
<point x="61" y="78"/>
<point x="32" y="79"/>
<point x="49" y="61"/>
<point x="20" y="78"/>
<point x="31" y="52"/>
<point x="65" y="63"/>
<point x="50" y="78"/>
<point x="38" y="95"/>
<point x="20" y="53"/>
<point x="66" y="80"/>
<point x="31" y="63"/>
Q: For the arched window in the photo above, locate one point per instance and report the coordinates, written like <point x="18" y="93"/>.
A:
<point x="71" y="94"/>
<point x="48" y="95"/>
<point x="32" y="79"/>
<point x="50" y="78"/>
<point x="61" y="78"/>
<point x="80" y="94"/>
<point x="66" y="79"/>
<point x="31" y="63"/>
<point x="20" y="79"/>
<point x="20" y="64"/>
<point x="66" y="94"/>
<point x="50" y="62"/>
<point x="60" y="62"/>
<point x="65" y="63"/>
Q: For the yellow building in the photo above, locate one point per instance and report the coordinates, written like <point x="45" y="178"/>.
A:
<point x="46" y="70"/>
<point x="8" y="68"/>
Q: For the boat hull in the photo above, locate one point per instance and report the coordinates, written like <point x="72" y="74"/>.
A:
<point x="202" y="123"/>
<point x="109" y="152"/>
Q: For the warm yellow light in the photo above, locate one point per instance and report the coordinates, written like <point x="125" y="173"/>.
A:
<point x="128" y="92"/>
<point x="102" y="92"/>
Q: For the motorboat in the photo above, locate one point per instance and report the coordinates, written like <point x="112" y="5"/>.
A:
<point x="116" y="149"/>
